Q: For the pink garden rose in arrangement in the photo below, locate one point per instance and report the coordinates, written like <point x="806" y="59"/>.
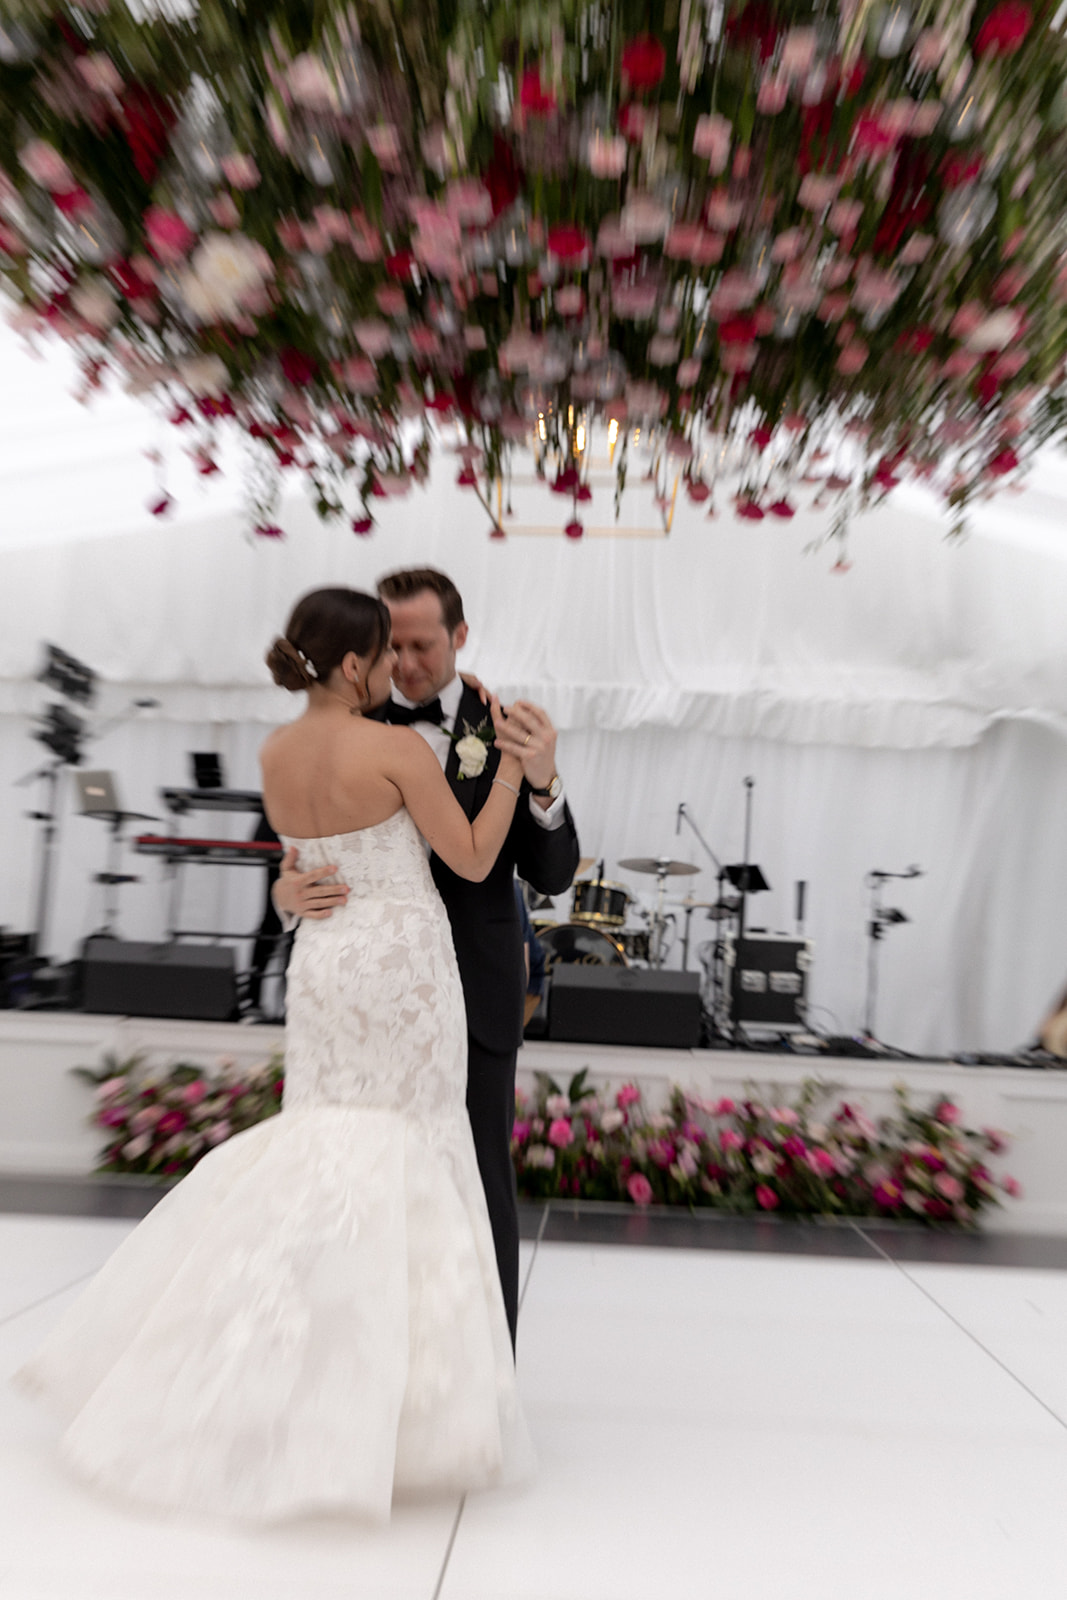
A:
<point x="160" y="1123"/>
<point x="750" y="1155"/>
<point x="741" y="1155"/>
<point x="825" y="259"/>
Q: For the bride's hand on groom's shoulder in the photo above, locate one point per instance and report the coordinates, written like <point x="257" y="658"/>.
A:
<point x="304" y="894"/>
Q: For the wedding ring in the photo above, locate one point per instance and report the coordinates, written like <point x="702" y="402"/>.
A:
<point x="526" y="741"/>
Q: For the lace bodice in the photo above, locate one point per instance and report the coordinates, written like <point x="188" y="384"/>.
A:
<point x="374" y="999"/>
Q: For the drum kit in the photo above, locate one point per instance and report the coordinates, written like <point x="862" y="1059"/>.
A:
<point x="609" y="926"/>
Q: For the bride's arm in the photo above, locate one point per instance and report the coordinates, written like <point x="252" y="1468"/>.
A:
<point x="469" y="848"/>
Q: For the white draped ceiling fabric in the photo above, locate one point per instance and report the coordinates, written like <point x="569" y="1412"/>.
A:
<point x="911" y="710"/>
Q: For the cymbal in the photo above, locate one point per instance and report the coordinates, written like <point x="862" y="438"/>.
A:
<point x="659" y="866"/>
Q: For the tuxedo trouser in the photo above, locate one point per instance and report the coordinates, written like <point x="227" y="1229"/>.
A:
<point x="491" y="1108"/>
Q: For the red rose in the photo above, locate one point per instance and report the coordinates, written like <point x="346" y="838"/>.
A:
<point x="146" y="119"/>
<point x="958" y="169"/>
<point x="781" y="508"/>
<point x="567" y="242"/>
<point x="755" y="25"/>
<point x="761" y="438"/>
<point x="502" y="176"/>
<point x="644" y="61"/>
<point x="73" y="203"/>
<point x="299" y="369"/>
<point x="129" y="281"/>
<point x="400" y="265"/>
<point x="362" y="524"/>
<point x="1004" y="30"/>
<point x="533" y="96"/>
<point x="574" y="530"/>
<point x="737" y="330"/>
<point x="1004" y="461"/>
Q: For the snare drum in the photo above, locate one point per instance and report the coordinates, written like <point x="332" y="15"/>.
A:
<point x="636" y="944"/>
<point x="575" y="944"/>
<point x="601" y="903"/>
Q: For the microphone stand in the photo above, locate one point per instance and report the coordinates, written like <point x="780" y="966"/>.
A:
<point x="881" y="918"/>
<point x="720" y="871"/>
<point x="47" y="816"/>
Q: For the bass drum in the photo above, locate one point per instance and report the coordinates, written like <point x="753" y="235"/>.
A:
<point x="576" y="944"/>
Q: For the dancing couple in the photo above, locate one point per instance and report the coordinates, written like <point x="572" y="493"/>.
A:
<point x="322" y="1315"/>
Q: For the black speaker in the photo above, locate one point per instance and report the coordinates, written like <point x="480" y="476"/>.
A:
<point x="159" y="980"/>
<point x="624" y="1005"/>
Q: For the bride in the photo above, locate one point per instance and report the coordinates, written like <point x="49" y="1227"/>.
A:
<point x="312" y="1320"/>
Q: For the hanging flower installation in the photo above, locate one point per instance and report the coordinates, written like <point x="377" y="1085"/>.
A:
<point x="806" y="249"/>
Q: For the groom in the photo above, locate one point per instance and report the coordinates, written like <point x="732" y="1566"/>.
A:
<point x="542" y="846"/>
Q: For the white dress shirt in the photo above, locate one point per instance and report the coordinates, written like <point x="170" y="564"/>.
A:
<point x="439" y="737"/>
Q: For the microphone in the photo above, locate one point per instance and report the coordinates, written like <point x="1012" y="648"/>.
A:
<point x="678" y="819"/>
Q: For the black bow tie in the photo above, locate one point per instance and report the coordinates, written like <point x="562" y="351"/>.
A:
<point x="404" y="716"/>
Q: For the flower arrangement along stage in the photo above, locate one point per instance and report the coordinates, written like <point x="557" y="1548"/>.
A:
<point x="796" y="248"/>
<point x="739" y="1156"/>
<point x="160" y="1123"/>
<point x="749" y="1155"/>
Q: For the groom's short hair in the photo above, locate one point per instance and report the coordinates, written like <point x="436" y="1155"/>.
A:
<point x="410" y="581"/>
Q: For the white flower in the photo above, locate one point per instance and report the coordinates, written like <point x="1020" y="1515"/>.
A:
<point x="204" y="375"/>
<point x="612" y="1120"/>
<point x="310" y="84"/>
<point x="94" y="301"/>
<point x="539" y="1155"/>
<point x="557" y="1105"/>
<point x="225" y="271"/>
<point x="994" y="332"/>
<point x="473" y="754"/>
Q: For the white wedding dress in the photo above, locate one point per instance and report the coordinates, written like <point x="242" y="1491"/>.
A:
<point x="312" y="1320"/>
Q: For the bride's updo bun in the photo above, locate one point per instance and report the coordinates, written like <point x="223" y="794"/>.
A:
<point x="325" y="625"/>
<point x="287" y="666"/>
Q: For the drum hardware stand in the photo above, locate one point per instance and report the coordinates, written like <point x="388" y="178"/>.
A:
<point x="881" y="918"/>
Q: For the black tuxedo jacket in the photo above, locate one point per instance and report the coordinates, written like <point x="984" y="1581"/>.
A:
<point x="484" y="916"/>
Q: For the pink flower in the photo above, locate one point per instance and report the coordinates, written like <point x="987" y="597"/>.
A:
<point x="1011" y="1186"/>
<point x="821" y="1163"/>
<point x="241" y="171"/>
<point x="723" y="1108"/>
<point x="947" y="1185"/>
<point x="947" y="1112"/>
<point x="193" y="1093"/>
<point x="217" y="1132"/>
<point x="711" y="139"/>
<point x="628" y="1095"/>
<point x="44" y="164"/>
<point x="561" y="1133"/>
<point x="766" y="1197"/>
<point x="888" y="1194"/>
<point x="639" y="1189"/>
<point x="110" y="1087"/>
<point x="173" y="1122"/>
<point x="729" y="1140"/>
<point x="168" y="237"/>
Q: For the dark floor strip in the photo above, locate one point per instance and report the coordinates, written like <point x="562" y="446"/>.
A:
<point x="595" y="1222"/>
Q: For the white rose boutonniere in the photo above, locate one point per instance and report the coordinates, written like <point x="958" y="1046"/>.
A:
<point x="473" y="748"/>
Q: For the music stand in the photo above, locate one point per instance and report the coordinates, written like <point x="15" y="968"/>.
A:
<point x="99" y="798"/>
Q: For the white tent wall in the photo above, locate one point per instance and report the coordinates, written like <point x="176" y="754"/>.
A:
<point x="911" y="710"/>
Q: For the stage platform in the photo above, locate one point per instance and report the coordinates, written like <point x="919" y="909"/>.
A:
<point x="44" y="1108"/>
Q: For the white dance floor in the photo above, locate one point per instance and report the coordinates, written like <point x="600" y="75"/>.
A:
<point x="709" y="1422"/>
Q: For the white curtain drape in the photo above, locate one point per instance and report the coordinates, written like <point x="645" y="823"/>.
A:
<point x="910" y="710"/>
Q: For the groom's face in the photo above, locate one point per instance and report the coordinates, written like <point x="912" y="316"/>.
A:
<point x="425" y="650"/>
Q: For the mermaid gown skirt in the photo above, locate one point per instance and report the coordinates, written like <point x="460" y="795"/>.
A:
<point x="312" y="1320"/>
